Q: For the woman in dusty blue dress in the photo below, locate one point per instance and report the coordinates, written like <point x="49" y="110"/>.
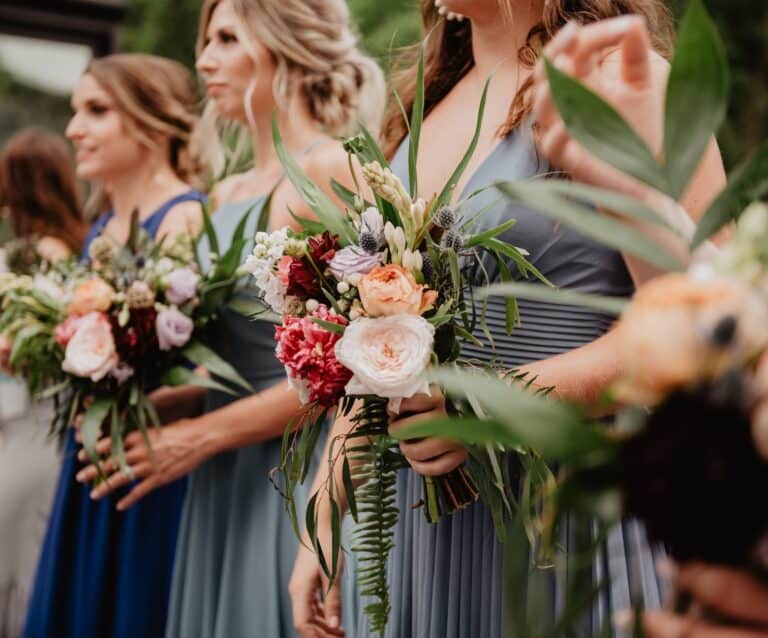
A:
<point x="445" y="578"/>
<point x="103" y="573"/>
<point x="236" y="544"/>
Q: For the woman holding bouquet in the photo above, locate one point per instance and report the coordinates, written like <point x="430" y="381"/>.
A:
<point x="445" y="578"/>
<point x="38" y="189"/>
<point x="103" y="573"/>
<point x="298" y="60"/>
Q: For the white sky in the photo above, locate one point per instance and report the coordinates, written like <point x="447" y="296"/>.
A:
<point x="52" y="66"/>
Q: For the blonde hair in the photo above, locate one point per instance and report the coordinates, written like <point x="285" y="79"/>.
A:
<point x="448" y="53"/>
<point x="315" y="52"/>
<point x="157" y="99"/>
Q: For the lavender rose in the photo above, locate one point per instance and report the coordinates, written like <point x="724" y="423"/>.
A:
<point x="182" y="285"/>
<point x="174" y="329"/>
<point x="353" y="260"/>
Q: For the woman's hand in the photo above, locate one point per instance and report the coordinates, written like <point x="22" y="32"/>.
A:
<point x="615" y="59"/>
<point x="733" y="596"/>
<point x="176" y="450"/>
<point x="429" y="456"/>
<point x="316" y="607"/>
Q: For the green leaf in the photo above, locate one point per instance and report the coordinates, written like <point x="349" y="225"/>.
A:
<point x="417" y="117"/>
<point x="537" y="292"/>
<point x="349" y="488"/>
<point x="446" y="195"/>
<point x="589" y="222"/>
<point x="202" y="355"/>
<point x="254" y="308"/>
<point x="90" y="429"/>
<point x="210" y="232"/>
<point x="117" y="448"/>
<point x="556" y="430"/>
<point x="511" y="308"/>
<point x="331" y="217"/>
<point x="135" y="232"/>
<point x="262" y="226"/>
<point x="346" y="195"/>
<point x="748" y="182"/>
<point x="475" y="240"/>
<point x="182" y="376"/>
<point x="600" y="129"/>
<point x="697" y="95"/>
<point x="330" y="326"/>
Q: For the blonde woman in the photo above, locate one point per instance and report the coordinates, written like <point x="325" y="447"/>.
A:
<point x="103" y="574"/>
<point x="297" y="59"/>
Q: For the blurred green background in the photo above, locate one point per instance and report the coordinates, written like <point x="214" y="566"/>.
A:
<point x="167" y="27"/>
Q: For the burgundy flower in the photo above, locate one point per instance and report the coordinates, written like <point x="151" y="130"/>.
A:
<point x="302" y="279"/>
<point x="322" y="249"/>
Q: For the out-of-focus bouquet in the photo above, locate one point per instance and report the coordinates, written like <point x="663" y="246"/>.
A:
<point x="687" y="454"/>
<point x="98" y="337"/>
<point x="368" y="299"/>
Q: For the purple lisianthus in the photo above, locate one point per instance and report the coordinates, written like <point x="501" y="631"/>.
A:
<point x="174" y="329"/>
<point x="122" y="372"/>
<point x="182" y="285"/>
<point x="353" y="260"/>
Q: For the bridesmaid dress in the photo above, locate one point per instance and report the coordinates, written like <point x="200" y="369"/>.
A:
<point x="104" y="573"/>
<point x="237" y="545"/>
<point x="446" y="578"/>
<point x="29" y="465"/>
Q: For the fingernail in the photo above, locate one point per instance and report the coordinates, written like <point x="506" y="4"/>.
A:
<point x="334" y="621"/>
<point x="120" y="507"/>
<point x="95" y="495"/>
<point x="80" y="477"/>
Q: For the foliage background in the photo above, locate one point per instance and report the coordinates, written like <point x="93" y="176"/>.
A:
<point x="168" y="27"/>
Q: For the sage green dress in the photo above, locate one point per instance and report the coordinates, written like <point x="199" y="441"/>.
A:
<point x="236" y="546"/>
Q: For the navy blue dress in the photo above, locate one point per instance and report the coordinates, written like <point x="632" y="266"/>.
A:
<point x="103" y="573"/>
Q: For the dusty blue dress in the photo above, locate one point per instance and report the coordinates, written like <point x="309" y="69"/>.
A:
<point x="104" y="573"/>
<point x="236" y="545"/>
<point x="445" y="578"/>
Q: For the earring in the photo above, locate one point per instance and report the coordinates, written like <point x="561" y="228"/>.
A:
<point x="448" y="15"/>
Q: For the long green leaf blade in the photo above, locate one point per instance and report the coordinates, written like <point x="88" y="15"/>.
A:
<point x="697" y="95"/>
<point x="202" y="355"/>
<point x="748" y="183"/>
<point x="417" y="117"/>
<point x="537" y="292"/>
<point x="601" y="130"/>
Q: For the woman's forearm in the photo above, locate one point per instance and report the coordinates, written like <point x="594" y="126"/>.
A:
<point x="253" y="419"/>
<point x="582" y="375"/>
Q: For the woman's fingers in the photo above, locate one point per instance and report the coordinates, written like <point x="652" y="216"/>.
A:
<point x="628" y="33"/>
<point x="441" y="465"/>
<point x="728" y="591"/>
<point x="662" y="624"/>
<point x="427" y="449"/>
<point x="139" y="492"/>
<point x="120" y="479"/>
<point x="103" y="446"/>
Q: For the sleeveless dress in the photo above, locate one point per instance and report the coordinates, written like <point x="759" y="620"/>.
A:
<point x="104" y="573"/>
<point x="236" y="545"/>
<point x="446" y="578"/>
<point x="29" y="465"/>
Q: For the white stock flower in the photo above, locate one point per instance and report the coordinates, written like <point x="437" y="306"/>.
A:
<point x="387" y="356"/>
<point x="268" y="250"/>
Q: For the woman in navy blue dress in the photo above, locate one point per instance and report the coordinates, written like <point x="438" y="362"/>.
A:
<point x="102" y="573"/>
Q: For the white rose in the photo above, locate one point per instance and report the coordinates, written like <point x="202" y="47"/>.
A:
<point x="387" y="356"/>
<point x="91" y="352"/>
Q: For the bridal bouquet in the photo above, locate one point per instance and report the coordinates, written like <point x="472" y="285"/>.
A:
<point x="367" y="299"/>
<point x="98" y="338"/>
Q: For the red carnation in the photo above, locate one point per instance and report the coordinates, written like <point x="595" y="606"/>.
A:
<point x="322" y="249"/>
<point x="302" y="279"/>
<point x="307" y="352"/>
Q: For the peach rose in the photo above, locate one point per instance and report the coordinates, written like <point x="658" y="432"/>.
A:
<point x="94" y="295"/>
<point x="668" y="334"/>
<point x="91" y="351"/>
<point x="392" y="290"/>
